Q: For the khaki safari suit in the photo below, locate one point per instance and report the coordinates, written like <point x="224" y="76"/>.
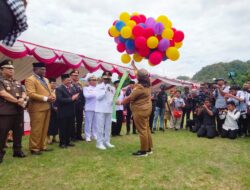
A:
<point x="141" y="107"/>
<point x="39" y="111"/>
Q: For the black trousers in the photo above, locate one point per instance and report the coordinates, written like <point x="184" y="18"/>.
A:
<point x="77" y="129"/>
<point x="151" y="119"/>
<point x="14" y="123"/>
<point x="243" y="125"/>
<point x="65" y="127"/>
<point x="7" y="19"/>
<point x="53" y="124"/>
<point x="220" y="122"/>
<point x="186" y="112"/>
<point x="231" y="134"/>
<point x="128" y="119"/>
<point x="117" y="126"/>
<point x="208" y="131"/>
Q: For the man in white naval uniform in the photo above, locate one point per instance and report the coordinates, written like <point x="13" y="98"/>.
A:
<point x="89" y="93"/>
<point x="103" y="111"/>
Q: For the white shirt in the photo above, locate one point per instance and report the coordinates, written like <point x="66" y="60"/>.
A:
<point x="231" y="120"/>
<point x="120" y="99"/>
<point x="243" y="104"/>
<point x="179" y="103"/>
<point x="89" y="93"/>
<point x="104" y="98"/>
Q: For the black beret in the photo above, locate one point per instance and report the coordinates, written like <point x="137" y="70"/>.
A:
<point x="65" y="76"/>
<point x="39" y="64"/>
<point x="7" y="63"/>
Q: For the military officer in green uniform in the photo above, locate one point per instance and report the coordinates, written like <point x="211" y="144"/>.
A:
<point x="12" y="103"/>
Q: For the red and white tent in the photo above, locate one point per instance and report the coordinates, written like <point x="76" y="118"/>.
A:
<point x="58" y="62"/>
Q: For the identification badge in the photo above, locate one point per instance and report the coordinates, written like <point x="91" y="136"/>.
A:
<point x="8" y="88"/>
<point x="17" y="94"/>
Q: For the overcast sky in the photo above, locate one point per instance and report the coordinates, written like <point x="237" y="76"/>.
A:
<point x="215" y="30"/>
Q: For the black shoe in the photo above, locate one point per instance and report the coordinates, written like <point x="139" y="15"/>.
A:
<point x="140" y="153"/>
<point x="134" y="133"/>
<point x="62" y="146"/>
<point x="161" y="129"/>
<point x="73" y="139"/>
<point x="152" y="132"/>
<point x="19" y="154"/>
<point x="80" y="138"/>
<point x="36" y="153"/>
<point x="71" y="144"/>
<point x="47" y="149"/>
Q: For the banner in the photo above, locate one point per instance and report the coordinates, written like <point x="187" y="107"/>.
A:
<point x="117" y="93"/>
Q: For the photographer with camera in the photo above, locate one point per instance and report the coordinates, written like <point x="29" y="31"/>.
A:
<point x="220" y="102"/>
<point x="230" y="126"/>
<point x="207" y="114"/>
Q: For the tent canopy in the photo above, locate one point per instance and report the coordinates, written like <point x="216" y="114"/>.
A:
<point x="58" y="62"/>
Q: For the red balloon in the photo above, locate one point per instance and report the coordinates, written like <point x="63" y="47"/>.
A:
<point x="155" y="58"/>
<point x="137" y="30"/>
<point x="136" y="18"/>
<point x="171" y="43"/>
<point x="178" y="36"/>
<point x="148" y="32"/>
<point x="143" y="18"/>
<point x="140" y="42"/>
<point x="144" y="52"/>
<point x="159" y="37"/>
<point x="120" y="47"/>
<point x="115" y="22"/>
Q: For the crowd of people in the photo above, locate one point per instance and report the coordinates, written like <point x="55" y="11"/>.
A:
<point x="217" y="109"/>
<point x="71" y="108"/>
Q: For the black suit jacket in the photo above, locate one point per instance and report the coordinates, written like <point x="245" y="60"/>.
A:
<point x="65" y="104"/>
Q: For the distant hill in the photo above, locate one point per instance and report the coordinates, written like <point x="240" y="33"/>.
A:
<point x="220" y="70"/>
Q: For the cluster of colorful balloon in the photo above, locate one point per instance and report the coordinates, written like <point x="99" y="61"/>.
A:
<point x="146" y="38"/>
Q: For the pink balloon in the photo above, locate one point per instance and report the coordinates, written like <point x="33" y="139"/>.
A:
<point x="137" y="30"/>
<point x="148" y="32"/>
<point x="140" y="42"/>
<point x="178" y="36"/>
<point x="155" y="58"/>
<point x="120" y="47"/>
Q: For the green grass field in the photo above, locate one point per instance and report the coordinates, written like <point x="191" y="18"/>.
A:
<point x="180" y="161"/>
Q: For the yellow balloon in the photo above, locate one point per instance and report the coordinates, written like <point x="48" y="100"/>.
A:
<point x="168" y="24"/>
<point x="152" y="42"/>
<point x="168" y="34"/>
<point x="172" y="53"/>
<point x="124" y="16"/>
<point x="114" y="32"/>
<point x="135" y="14"/>
<point x="126" y="32"/>
<point x="178" y="45"/>
<point x="130" y="23"/>
<point x="137" y="57"/>
<point x="125" y="58"/>
<point x="163" y="19"/>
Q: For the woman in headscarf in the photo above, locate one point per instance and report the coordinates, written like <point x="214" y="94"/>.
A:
<point x="141" y="107"/>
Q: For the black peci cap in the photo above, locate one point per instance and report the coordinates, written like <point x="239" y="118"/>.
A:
<point x="65" y="76"/>
<point x="52" y="80"/>
<point x="38" y="65"/>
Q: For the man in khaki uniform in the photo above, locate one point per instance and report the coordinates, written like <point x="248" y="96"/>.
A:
<point x="12" y="102"/>
<point x="41" y="97"/>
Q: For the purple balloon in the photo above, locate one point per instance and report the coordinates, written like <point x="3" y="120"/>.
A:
<point x="117" y="40"/>
<point x="163" y="44"/>
<point x="130" y="51"/>
<point x="158" y="28"/>
<point x="150" y="22"/>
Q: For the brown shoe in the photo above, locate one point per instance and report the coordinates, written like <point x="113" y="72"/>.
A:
<point x="35" y="153"/>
